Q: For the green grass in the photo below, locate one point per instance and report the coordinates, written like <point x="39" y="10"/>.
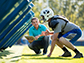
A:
<point x="28" y="56"/>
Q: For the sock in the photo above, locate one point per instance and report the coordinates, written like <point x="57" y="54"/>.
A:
<point x="65" y="49"/>
<point x="76" y="51"/>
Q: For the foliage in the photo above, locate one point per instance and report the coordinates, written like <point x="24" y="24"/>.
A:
<point x="73" y="10"/>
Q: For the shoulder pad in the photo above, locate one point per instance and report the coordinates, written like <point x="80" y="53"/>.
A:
<point x="60" y="17"/>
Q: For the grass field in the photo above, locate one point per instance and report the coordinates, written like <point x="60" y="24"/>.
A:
<point x="22" y="54"/>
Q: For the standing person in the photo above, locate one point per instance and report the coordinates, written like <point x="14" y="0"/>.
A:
<point x="41" y="41"/>
<point x="63" y="30"/>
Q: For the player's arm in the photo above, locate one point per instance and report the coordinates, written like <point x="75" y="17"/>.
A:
<point x="50" y="33"/>
<point x="55" y="37"/>
<point x="45" y="33"/>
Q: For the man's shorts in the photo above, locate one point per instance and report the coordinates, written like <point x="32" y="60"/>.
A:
<point x="72" y="35"/>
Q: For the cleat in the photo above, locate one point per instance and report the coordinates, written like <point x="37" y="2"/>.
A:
<point x="79" y="55"/>
<point x="66" y="54"/>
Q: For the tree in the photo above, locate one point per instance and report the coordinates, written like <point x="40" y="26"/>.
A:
<point x="73" y="10"/>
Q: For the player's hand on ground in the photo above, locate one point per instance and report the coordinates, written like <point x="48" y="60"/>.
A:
<point x="49" y="55"/>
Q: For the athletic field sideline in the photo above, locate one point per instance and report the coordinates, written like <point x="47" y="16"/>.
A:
<point x="22" y="54"/>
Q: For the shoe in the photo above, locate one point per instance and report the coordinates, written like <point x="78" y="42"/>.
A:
<point x="38" y="52"/>
<point x="79" y="55"/>
<point x="66" y="54"/>
<point x="44" y="53"/>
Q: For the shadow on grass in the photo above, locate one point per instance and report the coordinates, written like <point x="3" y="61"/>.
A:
<point x="5" y="53"/>
<point x="62" y="58"/>
<point x="15" y="58"/>
<point x="31" y="55"/>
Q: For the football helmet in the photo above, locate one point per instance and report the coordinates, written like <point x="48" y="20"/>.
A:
<point x="46" y="14"/>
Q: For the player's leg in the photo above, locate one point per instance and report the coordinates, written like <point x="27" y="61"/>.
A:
<point x="66" y="52"/>
<point x="70" y="45"/>
<point x="61" y="45"/>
